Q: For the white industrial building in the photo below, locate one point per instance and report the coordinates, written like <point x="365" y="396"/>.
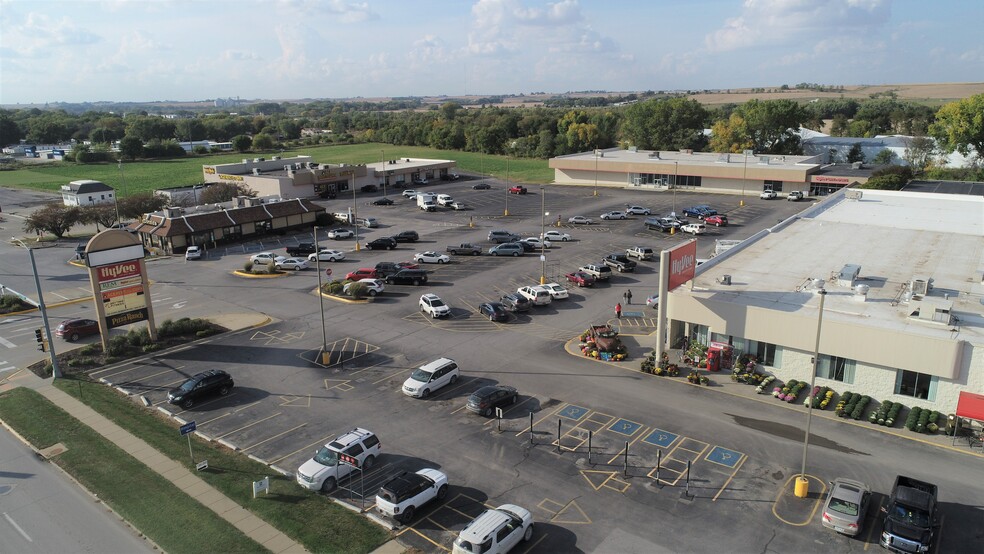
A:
<point x="903" y="317"/>
<point x="86" y="192"/>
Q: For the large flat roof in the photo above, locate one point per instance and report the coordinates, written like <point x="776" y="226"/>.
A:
<point x="894" y="236"/>
<point x="694" y="158"/>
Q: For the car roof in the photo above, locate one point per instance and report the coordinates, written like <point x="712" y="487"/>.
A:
<point x="430" y="296"/>
<point x="357" y="434"/>
<point x="847" y="489"/>
<point x="483" y="526"/>
<point x="403" y="483"/>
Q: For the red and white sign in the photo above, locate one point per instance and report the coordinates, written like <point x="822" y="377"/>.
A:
<point x="831" y="180"/>
<point x="121" y="287"/>
<point x="683" y="264"/>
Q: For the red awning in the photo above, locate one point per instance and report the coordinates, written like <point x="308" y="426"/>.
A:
<point x="970" y="406"/>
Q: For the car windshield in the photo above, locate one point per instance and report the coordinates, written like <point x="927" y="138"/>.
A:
<point x="326" y="457"/>
<point x="436" y="303"/>
<point x="188" y="385"/>
<point x="916" y="518"/>
<point x="842" y="506"/>
<point x="421" y="375"/>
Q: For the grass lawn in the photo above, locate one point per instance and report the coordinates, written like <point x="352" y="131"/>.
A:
<point x="310" y="519"/>
<point x="145" y="176"/>
<point x="136" y="492"/>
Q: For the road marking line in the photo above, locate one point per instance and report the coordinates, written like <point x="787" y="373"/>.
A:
<point x="17" y="527"/>
<point x="871" y="526"/>
<point x="273" y="437"/>
<point x="320" y="442"/>
<point x="532" y="546"/>
<point x="504" y="412"/>
<point x="7" y="343"/>
<point x="726" y="483"/>
<point x="248" y="425"/>
<point x="428" y="539"/>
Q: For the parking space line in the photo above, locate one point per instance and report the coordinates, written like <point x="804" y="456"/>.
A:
<point x="527" y="429"/>
<point x="508" y="410"/>
<point x="463" y="406"/>
<point x="730" y="477"/>
<point x="532" y="546"/>
<point x="244" y="449"/>
<point x="247" y="426"/>
<point x="237" y="410"/>
<point x="428" y="539"/>
<point x="632" y="442"/>
<point x="288" y="455"/>
<point x="175" y="368"/>
<point x="389" y="376"/>
<point x="871" y="527"/>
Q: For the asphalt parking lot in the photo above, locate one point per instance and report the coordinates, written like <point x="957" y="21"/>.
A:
<point x="287" y="403"/>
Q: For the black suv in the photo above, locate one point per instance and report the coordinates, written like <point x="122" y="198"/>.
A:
<point x="406" y="236"/>
<point x="516" y="302"/>
<point x="407" y="277"/>
<point x="619" y="262"/>
<point x="381" y="243"/>
<point x="384" y="269"/>
<point x="369" y="188"/>
<point x="199" y="386"/>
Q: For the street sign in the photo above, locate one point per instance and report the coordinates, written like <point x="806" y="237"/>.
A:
<point x="188" y="428"/>
<point x="328" y="271"/>
<point x="201" y="465"/>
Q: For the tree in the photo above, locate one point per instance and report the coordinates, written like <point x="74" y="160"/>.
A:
<point x="190" y="129"/>
<point x="960" y="126"/>
<point x="884" y="157"/>
<point x="135" y="205"/>
<point x="919" y="152"/>
<point x="102" y="135"/>
<point x="242" y="143"/>
<point x="893" y="177"/>
<point x="99" y="214"/>
<point x="148" y="128"/>
<point x="773" y="125"/>
<point x="223" y="192"/>
<point x="10" y="132"/>
<point x="262" y="141"/>
<point x="131" y="147"/>
<point x="855" y="154"/>
<point x="659" y="124"/>
<point x="54" y="218"/>
<point x="731" y="135"/>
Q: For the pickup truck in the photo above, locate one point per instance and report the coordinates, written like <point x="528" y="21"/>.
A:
<point x="911" y="516"/>
<point x="302" y="249"/>
<point x="657" y="224"/>
<point x="619" y="262"/>
<point x="598" y="271"/>
<point x="464" y="249"/>
<point x="518" y="189"/>
<point x="794" y="196"/>
<point x="640" y="252"/>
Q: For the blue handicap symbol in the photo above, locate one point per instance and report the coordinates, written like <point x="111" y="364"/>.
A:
<point x="724" y="456"/>
<point x="573" y="412"/>
<point x="625" y="427"/>
<point x="660" y="438"/>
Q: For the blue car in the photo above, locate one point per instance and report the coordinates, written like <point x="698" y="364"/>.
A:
<point x="700" y="211"/>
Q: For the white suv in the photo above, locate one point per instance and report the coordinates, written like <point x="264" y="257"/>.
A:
<point x="400" y="497"/>
<point x="495" y="531"/>
<point x="324" y="470"/>
<point x="430" y="377"/>
<point x="432" y="305"/>
<point x="538" y="295"/>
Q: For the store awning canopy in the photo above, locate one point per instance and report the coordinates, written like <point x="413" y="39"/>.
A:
<point x="970" y="406"/>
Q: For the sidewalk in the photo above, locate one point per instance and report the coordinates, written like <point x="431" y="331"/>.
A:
<point x="640" y="345"/>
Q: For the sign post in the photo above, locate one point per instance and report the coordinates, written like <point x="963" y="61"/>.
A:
<point x="676" y="266"/>
<point x="187" y="429"/>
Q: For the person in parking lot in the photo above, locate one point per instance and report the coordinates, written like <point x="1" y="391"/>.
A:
<point x="618" y="310"/>
<point x="628" y="296"/>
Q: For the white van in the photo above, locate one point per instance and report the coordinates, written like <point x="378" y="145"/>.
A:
<point x="368" y="222"/>
<point x="444" y="199"/>
<point x="430" y="377"/>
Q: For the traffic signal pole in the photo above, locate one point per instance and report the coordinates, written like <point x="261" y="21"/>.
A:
<point x="55" y="371"/>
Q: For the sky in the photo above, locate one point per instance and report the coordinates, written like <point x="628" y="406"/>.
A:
<point x="192" y="50"/>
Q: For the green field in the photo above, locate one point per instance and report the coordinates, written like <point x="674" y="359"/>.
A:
<point x="145" y="176"/>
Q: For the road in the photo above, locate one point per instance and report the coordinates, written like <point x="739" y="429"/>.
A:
<point x="42" y="511"/>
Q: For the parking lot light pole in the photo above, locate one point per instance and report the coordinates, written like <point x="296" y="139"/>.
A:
<point x="55" y="370"/>
<point x="543" y="240"/>
<point x="802" y="487"/>
<point x="596" y="152"/>
<point x="744" y="171"/>
<point x="675" y="175"/>
<point x="321" y="299"/>
<point x="355" y="218"/>
<point x="506" y="211"/>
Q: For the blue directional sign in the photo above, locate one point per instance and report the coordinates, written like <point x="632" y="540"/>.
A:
<point x="660" y="438"/>
<point x="724" y="456"/>
<point x="573" y="412"/>
<point x="188" y="428"/>
<point x="625" y="427"/>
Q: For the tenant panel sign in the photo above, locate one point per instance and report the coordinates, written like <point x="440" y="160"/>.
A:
<point x="122" y="292"/>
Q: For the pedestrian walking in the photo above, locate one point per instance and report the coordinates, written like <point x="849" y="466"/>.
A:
<point x="628" y="297"/>
<point x="618" y="310"/>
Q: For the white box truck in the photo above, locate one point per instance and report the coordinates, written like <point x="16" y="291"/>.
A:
<point x="427" y="201"/>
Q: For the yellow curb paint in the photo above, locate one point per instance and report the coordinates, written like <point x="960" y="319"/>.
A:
<point x="238" y="273"/>
<point x="816" y="503"/>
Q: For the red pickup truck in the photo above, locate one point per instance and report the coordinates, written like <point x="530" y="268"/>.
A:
<point x="518" y="189"/>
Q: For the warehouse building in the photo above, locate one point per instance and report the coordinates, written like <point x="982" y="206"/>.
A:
<point x="903" y="281"/>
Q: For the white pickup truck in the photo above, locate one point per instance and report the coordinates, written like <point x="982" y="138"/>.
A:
<point x="598" y="271"/>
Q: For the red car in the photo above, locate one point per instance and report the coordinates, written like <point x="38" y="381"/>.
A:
<point x="518" y="189"/>
<point x="581" y="279"/>
<point x="408" y="265"/>
<point x="74" y="329"/>
<point x="362" y="273"/>
<point x="719" y="220"/>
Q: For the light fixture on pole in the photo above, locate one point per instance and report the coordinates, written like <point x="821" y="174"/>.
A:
<point x="355" y="218"/>
<point x="321" y="298"/>
<point x="543" y="239"/>
<point x="674" y="185"/>
<point x="744" y="171"/>
<point x="596" y="153"/>
<point x="55" y="370"/>
<point x="506" y="211"/>
<point x="802" y="487"/>
<point x="382" y="169"/>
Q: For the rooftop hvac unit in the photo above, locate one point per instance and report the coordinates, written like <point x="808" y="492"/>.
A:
<point x="920" y="286"/>
<point x="257" y="160"/>
<point x="848" y="275"/>
<point x="275" y="158"/>
<point x="654" y="155"/>
<point x="245" y="161"/>
<point x="726" y="279"/>
<point x="297" y="165"/>
<point x="861" y="292"/>
<point x="256" y="171"/>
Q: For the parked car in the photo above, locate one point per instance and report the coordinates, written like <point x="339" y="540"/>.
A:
<point x="382" y="243"/>
<point x="795" y="196"/>
<point x="382" y="202"/>
<point x="481" y="186"/>
<point x="431" y="257"/>
<point x="846" y="506"/>
<point x="640" y="252"/>
<point x="613" y="215"/>
<point x="432" y="305"/>
<point x="581" y="279"/>
<point x="536" y="294"/>
<point x="264" y="258"/>
<point x="507" y="249"/>
<point x="657" y="224"/>
<point x="361" y="273"/>
<point x="295" y="264"/>
<point x="73" y="329"/>
<point x="420" y="181"/>
<point x="517" y="189"/>
<point x="444" y="200"/>
<point x="464" y="248"/>
<point x="401" y="496"/>
<point x="458" y="205"/>
<point x="193" y="252"/>
<point x="694" y="228"/>
<point x="526" y="246"/>
<point x="768" y="195"/>
<point x="580" y="220"/>
<point x="637" y="210"/>
<point x="409" y="193"/>
<point x="652" y="301"/>
<point x="500" y="236"/>
<point x="556" y="236"/>
<point x="495" y="310"/>
<point x="719" y="220"/>
<point x="495" y="531"/>
<point x="338" y="234"/>
<point x="201" y="385"/>
<point x="407" y="277"/>
<point x="557" y="292"/>
<point x="327" y="255"/>
<point x="536" y="243"/>
<point x="406" y="236"/>
<point x="515" y="302"/>
<point x="369" y="188"/>
<point x="373" y="286"/>
<point x="431" y="377"/>
<point x="323" y="471"/>
<point x="671" y="221"/>
<point x="619" y="262"/>
<point x="301" y="249"/>
<point x="600" y="272"/>
<point x="485" y="400"/>
<point x="700" y="211"/>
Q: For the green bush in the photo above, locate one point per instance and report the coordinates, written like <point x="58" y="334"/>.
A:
<point x="138" y="337"/>
<point x="183" y="326"/>
<point x="153" y="347"/>
<point x="248" y="266"/>
<point x="358" y="290"/>
<point x="11" y="303"/>
<point x="90" y="349"/>
<point x="118" y="346"/>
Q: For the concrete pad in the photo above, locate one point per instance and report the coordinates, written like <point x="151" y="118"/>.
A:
<point x="264" y="533"/>
<point x="281" y="543"/>
<point x="210" y="497"/>
<point x="198" y="489"/>
<point x="390" y="547"/>
<point x="53" y="450"/>
<point x="185" y="481"/>
<point x="250" y="524"/>
<point x="224" y="506"/>
<point x="235" y="516"/>
<point x="174" y="473"/>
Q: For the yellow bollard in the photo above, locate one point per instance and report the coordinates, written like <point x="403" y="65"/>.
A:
<point x="357" y="247"/>
<point x="471" y="221"/>
<point x="672" y="230"/>
<point x="802" y="488"/>
<point x="325" y="358"/>
<point x="742" y="203"/>
<point x="543" y="279"/>
<point x="505" y="212"/>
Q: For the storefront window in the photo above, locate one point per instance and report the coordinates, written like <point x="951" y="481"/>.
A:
<point x="916" y="385"/>
<point x="773" y="185"/>
<point x="837" y="369"/>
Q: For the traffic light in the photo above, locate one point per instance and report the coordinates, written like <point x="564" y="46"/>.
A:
<point x="39" y="336"/>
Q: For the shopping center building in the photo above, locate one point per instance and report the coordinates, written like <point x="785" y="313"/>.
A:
<point x="745" y="174"/>
<point x="902" y="317"/>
